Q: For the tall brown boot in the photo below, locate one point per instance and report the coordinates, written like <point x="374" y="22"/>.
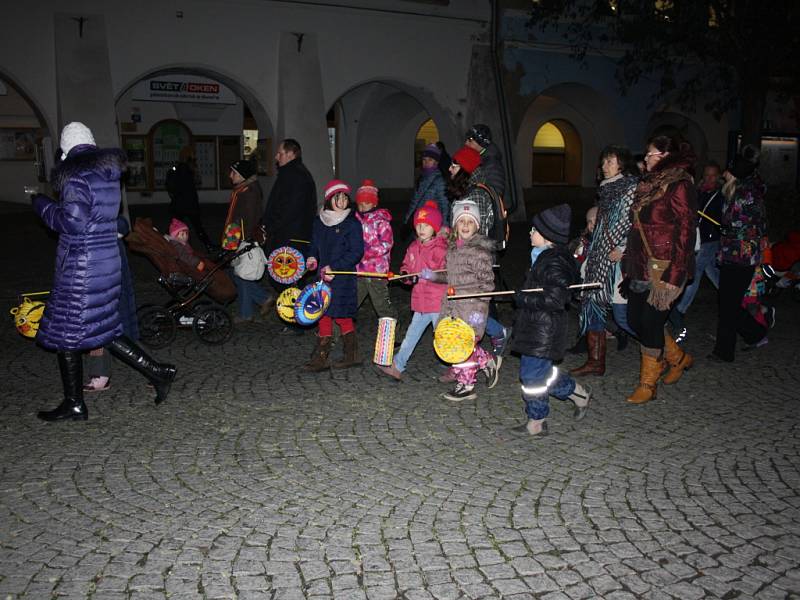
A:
<point x="596" y="364"/>
<point x="649" y="373"/>
<point x="319" y="356"/>
<point x="677" y="359"/>
<point x="350" y="358"/>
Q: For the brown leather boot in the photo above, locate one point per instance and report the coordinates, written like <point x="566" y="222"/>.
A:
<point x="350" y="358"/>
<point x="649" y="373"/>
<point x="319" y="356"/>
<point x="596" y="364"/>
<point x="677" y="359"/>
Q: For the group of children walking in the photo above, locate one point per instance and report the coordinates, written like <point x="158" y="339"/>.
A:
<point x="458" y="259"/>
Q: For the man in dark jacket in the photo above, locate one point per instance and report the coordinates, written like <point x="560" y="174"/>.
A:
<point x="291" y="206"/>
<point x="183" y="201"/>
<point x="479" y="138"/>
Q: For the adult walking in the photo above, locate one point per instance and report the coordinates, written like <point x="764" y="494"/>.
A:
<point x="742" y="241"/>
<point x="184" y="203"/>
<point x="612" y="224"/>
<point x="82" y="312"/>
<point x="659" y="257"/>
<point x="479" y="138"/>
<point x="246" y="207"/>
<point x="710" y="201"/>
<point x="431" y="185"/>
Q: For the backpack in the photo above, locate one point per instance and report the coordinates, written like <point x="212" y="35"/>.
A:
<point x="500" y="231"/>
<point x="250" y="265"/>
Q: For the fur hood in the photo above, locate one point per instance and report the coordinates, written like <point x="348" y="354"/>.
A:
<point x="108" y="163"/>
<point x="478" y="240"/>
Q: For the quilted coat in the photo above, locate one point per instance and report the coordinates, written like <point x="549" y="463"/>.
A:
<point x="540" y="323"/>
<point x="376" y="225"/>
<point x="82" y="311"/>
<point x="469" y="271"/>
<point x="340" y="247"/>
<point x="430" y="187"/>
<point x="426" y="297"/>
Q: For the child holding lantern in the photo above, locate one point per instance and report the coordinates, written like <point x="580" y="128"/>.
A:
<point x="425" y="254"/>
<point x="337" y="245"/>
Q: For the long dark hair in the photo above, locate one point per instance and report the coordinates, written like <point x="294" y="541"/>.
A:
<point x="329" y="202"/>
<point x="624" y="156"/>
<point x="457" y="186"/>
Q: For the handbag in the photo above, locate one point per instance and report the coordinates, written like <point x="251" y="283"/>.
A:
<point x="656" y="267"/>
<point x="251" y="264"/>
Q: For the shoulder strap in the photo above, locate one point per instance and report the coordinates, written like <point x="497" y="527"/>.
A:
<point x="641" y="232"/>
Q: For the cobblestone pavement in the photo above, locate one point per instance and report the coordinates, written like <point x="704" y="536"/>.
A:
<point x="255" y="480"/>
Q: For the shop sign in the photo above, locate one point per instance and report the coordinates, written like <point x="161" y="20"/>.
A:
<point x="183" y="88"/>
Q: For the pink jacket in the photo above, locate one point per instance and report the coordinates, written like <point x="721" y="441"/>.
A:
<point x="378" y="240"/>
<point x="426" y="296"/>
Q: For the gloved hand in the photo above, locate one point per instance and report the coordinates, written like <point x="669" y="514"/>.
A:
<point x="427" y="274"/>
<point x="326" y="275"/>
<point x="311" y="263"/>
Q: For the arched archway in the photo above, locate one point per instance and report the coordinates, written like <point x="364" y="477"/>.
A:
<point x="26" y="141"/>
<point x="377" y="123"/>
<point x="557" y="154"/>
<point x="219" y="112"/>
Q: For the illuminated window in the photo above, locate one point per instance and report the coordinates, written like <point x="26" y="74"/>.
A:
<point x="428" y="133"/>
<point x="549" y="137"/>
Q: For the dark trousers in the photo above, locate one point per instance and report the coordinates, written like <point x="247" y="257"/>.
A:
<point x="733" y="283"/>
<point x="645" y="320"/>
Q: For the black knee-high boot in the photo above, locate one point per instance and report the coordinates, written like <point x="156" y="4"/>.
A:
<point x="72" y="407"/>
<point x="159" y="374"/>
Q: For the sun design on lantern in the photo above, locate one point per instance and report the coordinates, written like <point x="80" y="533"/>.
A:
<point x="286" y="265"/>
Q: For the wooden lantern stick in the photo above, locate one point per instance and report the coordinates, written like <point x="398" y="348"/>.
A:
<point x="705" y="216"/>
<point x="577" y="286"/>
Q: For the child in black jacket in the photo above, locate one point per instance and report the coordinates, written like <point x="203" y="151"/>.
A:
<point x="540" y="327"/>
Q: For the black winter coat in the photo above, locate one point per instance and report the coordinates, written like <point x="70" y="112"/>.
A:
<point x="291" y="207"/>
<point x="493" y="170"/>
<point x="540" y="325"/>
<point x="182" y="191"/>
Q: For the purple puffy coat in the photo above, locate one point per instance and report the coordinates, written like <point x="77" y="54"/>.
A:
<point x="82" y="311"/>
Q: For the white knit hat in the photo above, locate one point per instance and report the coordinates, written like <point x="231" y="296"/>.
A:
<point x="466" y="208"/>
<point x="75" y="134"/>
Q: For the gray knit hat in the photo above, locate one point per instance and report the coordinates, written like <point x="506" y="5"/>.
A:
<point x="553" y="223"/>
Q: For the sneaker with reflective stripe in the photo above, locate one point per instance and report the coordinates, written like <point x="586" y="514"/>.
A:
<point x="492" y="372"/>
<point x="500" y="344"/>
<point x="460" y="393"/>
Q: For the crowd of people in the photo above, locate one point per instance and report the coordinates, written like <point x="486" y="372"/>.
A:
<point x="650" y="239"/>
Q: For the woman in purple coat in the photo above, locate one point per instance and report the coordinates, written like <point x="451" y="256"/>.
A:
<point x="82" y="312"/>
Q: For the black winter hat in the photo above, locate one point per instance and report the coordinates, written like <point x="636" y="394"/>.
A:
<point x="244" y="167"/>
<point x="745" y="162"/>
<point x="481" y="134"/>
<point x="553" y="223"/>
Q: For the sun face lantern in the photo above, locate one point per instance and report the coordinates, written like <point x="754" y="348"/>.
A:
<point x="286" y="265"/>
<point x="27" y="316"/>
<point x="286" y="304"/>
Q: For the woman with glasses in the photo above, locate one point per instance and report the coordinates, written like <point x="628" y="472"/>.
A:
<point x="659" y="257"/>
<point x="614" y="199"/>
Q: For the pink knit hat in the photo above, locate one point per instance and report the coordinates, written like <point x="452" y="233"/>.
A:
<point x="334" y="187"/>
<point x="429" y="213"/>
<point x="367" y="193"/>
<point x="176" y="226"/>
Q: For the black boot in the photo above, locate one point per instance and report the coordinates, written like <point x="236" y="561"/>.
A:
<point x="72" y="407"/>
<point x="161" y="375"/>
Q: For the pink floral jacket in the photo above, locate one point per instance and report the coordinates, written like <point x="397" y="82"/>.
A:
<point x="378" y="240"/>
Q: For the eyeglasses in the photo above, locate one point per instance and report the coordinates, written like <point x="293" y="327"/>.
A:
<point x="649" y="154"/>
<point x="455" y="164"/>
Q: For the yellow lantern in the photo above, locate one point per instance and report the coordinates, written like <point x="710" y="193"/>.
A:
<point x="27" y="316"/>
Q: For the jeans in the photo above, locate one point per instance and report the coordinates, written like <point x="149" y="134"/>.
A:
<point x="419" y="323"/>
<point x="494" y="328"/>
<point x="620" y="312"/>
<point x="251" y="294"/>
<point x="540" y="380"/>
<point x="705" y="262"/>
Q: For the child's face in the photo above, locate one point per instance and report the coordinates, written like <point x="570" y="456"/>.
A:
<point x="466" y="227"/>
<point x="424" y="232"/>
<point x="364" y="206"/>
<point x="537" y="240"/>
<point x="340" y="202"/>
<point x="182" y="236"/>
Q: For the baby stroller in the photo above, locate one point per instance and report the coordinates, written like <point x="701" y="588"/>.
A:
<point x="188" y="306"/>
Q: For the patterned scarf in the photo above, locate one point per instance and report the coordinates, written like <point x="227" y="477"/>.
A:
<point x="614" y="199"/>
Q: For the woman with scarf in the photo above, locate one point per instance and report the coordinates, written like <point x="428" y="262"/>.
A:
<point x="614" y="199"/>
<point x="659" y="257"/>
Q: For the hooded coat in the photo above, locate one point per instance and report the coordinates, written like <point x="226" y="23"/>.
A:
<point x="82" y="311"/>
<point x="469" y="271"/>
<point x="540" y="324"/>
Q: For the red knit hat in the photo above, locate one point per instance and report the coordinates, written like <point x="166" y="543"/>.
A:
<point x="176" y="226"/>
<point x="468" y="158"/>
<point x="334" y="187"/>
<point x="429" y="213"/>
<point x="367" y="193"/>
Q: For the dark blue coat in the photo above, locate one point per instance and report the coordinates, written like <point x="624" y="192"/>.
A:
<point x="340" y="247"/>
<point x="82" y="311"/>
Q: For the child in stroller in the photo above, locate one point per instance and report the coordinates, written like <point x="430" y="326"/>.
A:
<point x="188" y="285"/>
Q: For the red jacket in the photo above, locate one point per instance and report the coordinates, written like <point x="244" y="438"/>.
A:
<point x="669" y="222"/>
<point x="427" y="295"/>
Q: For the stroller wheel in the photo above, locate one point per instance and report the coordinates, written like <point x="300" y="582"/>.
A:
<point x="212" y="324"/>
<point x="157" y="328"/>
